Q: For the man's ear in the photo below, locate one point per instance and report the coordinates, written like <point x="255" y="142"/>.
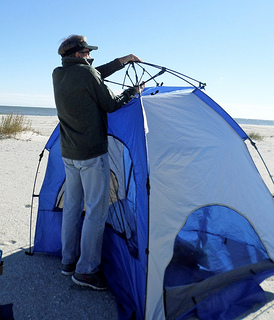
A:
<point x="77" y="55"/>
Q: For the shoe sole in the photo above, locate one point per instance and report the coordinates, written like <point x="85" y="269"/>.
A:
<point x="85" y="284"/>
<point x="67" y="273"/>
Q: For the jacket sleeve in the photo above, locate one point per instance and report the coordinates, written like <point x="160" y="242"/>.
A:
<point x="103" y="96"/>
<point x="109" y="68"/>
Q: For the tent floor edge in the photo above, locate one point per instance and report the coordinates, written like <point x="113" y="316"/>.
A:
<point x="201" y="291"/>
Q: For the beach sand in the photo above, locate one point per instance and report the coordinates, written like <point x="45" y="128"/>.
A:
<point x="34" y="284"/>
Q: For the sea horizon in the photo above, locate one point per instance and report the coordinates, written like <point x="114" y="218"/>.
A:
<point x="51" y="111"/>
<point x="28" y="111"/>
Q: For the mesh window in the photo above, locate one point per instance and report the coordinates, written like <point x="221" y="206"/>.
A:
<point x="122" y="199"/>
<point x="122" y="209"/>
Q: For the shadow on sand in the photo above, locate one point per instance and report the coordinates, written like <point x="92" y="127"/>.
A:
<point x="36" y="288"/>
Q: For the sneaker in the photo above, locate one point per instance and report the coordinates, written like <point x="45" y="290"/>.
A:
<point x="95" y="280"/>
<point x="68" y="269"/>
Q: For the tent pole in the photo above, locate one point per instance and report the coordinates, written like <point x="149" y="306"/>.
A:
<point x="147" y="248"/>
<point x="31" y="206"/>
<point x="254" y="145"/>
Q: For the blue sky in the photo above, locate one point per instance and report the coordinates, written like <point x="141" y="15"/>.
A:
<point x="227" y="44"/>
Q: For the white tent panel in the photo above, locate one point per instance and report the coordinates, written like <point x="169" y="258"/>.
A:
<point x="196" y="159"/>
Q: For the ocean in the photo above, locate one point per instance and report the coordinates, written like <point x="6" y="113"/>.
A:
<point x="35" y="111"/>
<point x="28" y="111"/>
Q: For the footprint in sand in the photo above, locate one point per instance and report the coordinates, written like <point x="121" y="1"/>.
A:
<point x="7" y="242"/>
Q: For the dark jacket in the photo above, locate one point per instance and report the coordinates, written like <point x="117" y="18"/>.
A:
<point x="82" y="101"/>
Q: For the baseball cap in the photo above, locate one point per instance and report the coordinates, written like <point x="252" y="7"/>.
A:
<point x="80" y="46"/>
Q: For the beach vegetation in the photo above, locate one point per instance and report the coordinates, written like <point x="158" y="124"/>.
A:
<point x="255" y="136"/>
<point x="12" y="124"/>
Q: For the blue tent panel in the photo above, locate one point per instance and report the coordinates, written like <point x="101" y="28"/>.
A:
<point x="54" y="136"/>
<point x="125" y="270"/>
<point x="232" y="302"/>
<point x="49" y="218"/>
<point x="224" y="296"/>
<point x="48" y="235"/>
<point x="216" y="242"/>
<point x="125" y="275"/>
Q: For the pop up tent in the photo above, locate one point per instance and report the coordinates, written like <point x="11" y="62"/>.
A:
<point x="190" y="224"/>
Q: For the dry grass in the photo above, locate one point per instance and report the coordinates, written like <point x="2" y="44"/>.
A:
<point x="255" y="136"/>
<point x="11" y="125"/>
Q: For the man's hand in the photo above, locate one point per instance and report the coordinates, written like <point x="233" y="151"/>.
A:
<point x="130" y="57"/>
<point x="140" y="88"/>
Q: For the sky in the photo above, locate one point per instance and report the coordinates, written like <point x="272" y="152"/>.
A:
<point x="229" y="45"/>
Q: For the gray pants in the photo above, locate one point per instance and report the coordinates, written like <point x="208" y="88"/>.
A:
<point x="87" y="184"/>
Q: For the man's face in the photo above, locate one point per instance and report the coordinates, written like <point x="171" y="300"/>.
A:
<point x="83" y="54"/>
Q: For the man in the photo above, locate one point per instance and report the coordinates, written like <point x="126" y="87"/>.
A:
<point x="83" y="101"/>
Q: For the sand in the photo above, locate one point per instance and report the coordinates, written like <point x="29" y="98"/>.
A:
<point x="34" y="284"/>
